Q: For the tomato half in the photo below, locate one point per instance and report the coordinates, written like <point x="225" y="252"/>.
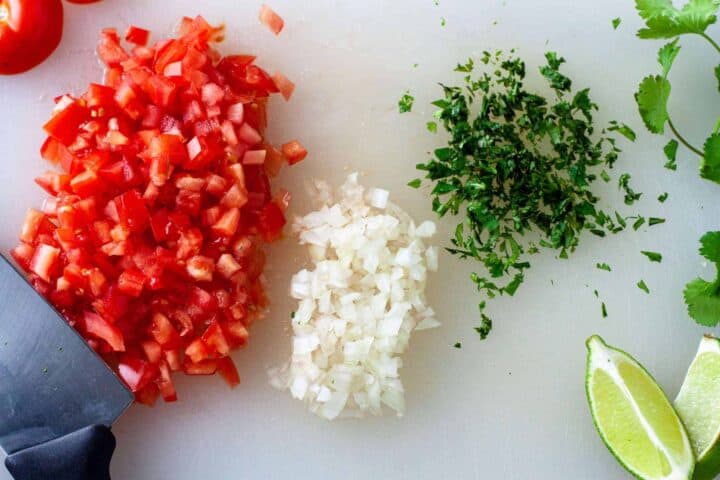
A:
<point x="30" y="30"/>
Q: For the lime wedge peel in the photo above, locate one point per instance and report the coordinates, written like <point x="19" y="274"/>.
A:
<point x="698" y="404"/>
<point x="634" y="418"/>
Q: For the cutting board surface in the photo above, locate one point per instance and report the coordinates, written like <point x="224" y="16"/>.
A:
<point x="512" y="407"/>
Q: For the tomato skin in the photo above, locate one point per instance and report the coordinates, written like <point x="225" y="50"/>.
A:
<point x="30" y="34"/>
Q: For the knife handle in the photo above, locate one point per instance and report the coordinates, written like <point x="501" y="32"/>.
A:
<point x="81" y="455"/>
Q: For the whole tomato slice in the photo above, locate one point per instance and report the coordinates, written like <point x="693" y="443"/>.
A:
<point x="30" y="30"/>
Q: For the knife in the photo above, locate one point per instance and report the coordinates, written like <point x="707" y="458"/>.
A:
<point x="58" y="398"/>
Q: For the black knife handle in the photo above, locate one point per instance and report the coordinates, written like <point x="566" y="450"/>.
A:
<point x="81" y="455"/>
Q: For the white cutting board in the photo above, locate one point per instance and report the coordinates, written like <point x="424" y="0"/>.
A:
<point x="512" y="407"/>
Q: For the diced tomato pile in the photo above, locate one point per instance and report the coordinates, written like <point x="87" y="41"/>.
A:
<point x="151" y="244"/>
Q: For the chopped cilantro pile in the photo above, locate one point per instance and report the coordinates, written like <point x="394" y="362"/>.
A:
<point x="518" y="163"/>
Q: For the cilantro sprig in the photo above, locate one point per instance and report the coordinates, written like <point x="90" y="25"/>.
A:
<point x="519" y="164"/>
<point x="665" y="21"/>
<point x="703" y="297"/>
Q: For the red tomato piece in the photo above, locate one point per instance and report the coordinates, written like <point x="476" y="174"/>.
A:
<point x="165" y="383"/>
<point x="132" y="212"/>
<point x="228" y="223"/>
<point x="131" y="282"/>
<point x="215" y="339"/>
<point x="205" y="367"/>
<point x="31" y="226"/>
<point x="136" y="373"/>
<point x="197" y="350"/>
<point x="271" y="222"/>
<point x="30" y="31"/>
<point x="294" y="152"/>
<point x="153" y="351"/>
<point x="271" y="19"/>
<point x="44" y="261"/>
<point x="284" y="84"/>
<point x="164" y="332"/>
<point x="64" y="125"/>
<point x="137" y="35"/>
<point x="226" y="368"/>
<point x="100" y="328"/>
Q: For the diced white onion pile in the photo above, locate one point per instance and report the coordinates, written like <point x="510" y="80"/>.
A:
<point x="359" y="304"/>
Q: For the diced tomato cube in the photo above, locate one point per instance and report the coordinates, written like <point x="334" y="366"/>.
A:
<point x="164" y="332"/>
<point x="148" y="395"/>
<point x="31" y="226"/>
<point x="100" y="328"/>
<point x="271" y="19"/>
<point x="153" y="351"/>
<point x="64" y="125"/>
<point x="97" y="282"/>
<point x="160" y="225"/>
<point x="283" y="84"/>
<point x="205" y="367"/>
<point x="215" y="339"/>
<point x="294" y="152"/>
<point x="228" y="223"/>
<point x="249" y="135"/>
<point x="235" y="197"/>
<point x="165" y="383"/>
<point x="237" y="331"/>
<point x="44" y="261"/>
<point x="23" y="255"/>
<point x="197" y="350"/>
<point x="189" y="243"/>
<point x="110" y="51"/>
<point x="137" y="373"/>
<point x="137" y="35"/>
<point x="226" y="368"/>
<point x="87" y="184"/>
<point x="216" y="185"/>
<point x="254" y="157"/>
<point x="193" y="184"/>
<point x="172" y="357"/>
<point x="189" y="202"/>
<point x="271" y="222"/>
<point x="131" y="282"/>
<point x="131" y="210"/>
<point x="54" y="183"/>
<point x="201" y="268"/>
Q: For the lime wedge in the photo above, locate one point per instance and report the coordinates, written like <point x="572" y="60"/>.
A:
<point x="633" y="416"/>
<point x="698" y="404"/>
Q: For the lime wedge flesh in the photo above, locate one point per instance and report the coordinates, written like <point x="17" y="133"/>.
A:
<point x="698" y="404"/>
<point x="634" y="417"/>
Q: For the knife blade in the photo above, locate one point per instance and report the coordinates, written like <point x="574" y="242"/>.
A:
<point x="51" y="382"/>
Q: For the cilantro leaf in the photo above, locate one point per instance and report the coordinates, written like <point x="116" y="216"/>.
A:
<point x="652" y="99"/>
<point x="623" y="130"/>
<point x="603" y="310"/>
<point x="664" y="20"/>
<point x="703" y="297"/>
<point x="717" y="75"/>
<point x="642" y="286"/>
<point x="663" y="197"/>
<point x="431" y="127"/>
<point x="616" y="22"/>
<point x="415" y="183"/>
<point x="710" y="164"/>
<point x="655" y="221"/>
<point x="638" y="223"/>
<point x="652" y="256"/>
<point x="603" y="266"/>
<point x="667" y="55"/>
<point x="405" y="103"/>
<point x="710" y="246"/>
<point x="671" y="153"/>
